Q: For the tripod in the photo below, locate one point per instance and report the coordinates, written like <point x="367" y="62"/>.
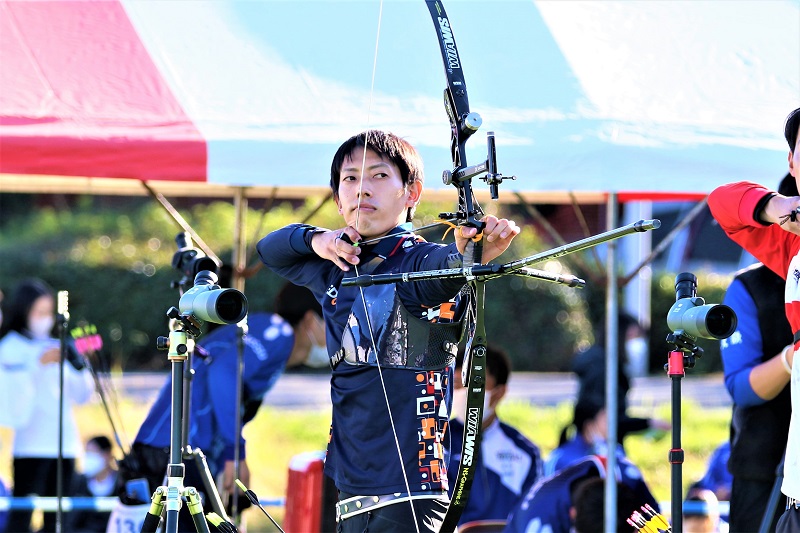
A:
<point x="170" y="497"/>
<point x="683" y="356"/>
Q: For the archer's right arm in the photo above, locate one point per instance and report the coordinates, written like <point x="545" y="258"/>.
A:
<point x="748" y="213"/>
<point x="288" y="253"/>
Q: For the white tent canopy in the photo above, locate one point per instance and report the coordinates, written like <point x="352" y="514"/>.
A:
<point x="649" y="97"/>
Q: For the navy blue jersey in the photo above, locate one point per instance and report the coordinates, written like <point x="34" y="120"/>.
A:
<point x="362" y="453"/>
<point x="507" y="466"/>
<point x="268" y="345"/>
<point x="545" y="508"/>
<point x="573" y="451"/>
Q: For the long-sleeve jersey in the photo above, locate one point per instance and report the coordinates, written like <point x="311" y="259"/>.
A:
<point x="213" y="411"/>
<point x="362" y="453"/>
<point x="741" y="352"/>
<point x="735" y="207"/>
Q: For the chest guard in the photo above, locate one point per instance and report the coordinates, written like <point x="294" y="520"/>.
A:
<point x="402" y="340"/>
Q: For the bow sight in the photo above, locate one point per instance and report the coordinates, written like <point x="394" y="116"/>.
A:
<point x="492" y="178"/>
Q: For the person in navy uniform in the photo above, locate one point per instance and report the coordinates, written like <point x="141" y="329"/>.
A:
<point x="549" y="504"/>
<point x="392" y="346"/>
<point x="508" y="463"/>
<point x="291" y="336"/>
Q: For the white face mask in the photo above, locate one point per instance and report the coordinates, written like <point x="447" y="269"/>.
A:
<point x="93" y="464"/>
<point x="318" y="357"/>
<point x="41" y="327"/>
<point x="460" y="404"/>
<point x="638" y="357"/>
<point x="599" y="445"/>
<point x="318" y="354"/>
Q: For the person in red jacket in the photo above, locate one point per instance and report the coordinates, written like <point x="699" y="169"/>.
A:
<point x="766" y="224"/>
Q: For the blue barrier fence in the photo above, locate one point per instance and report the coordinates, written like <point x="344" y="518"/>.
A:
<point x="50" y="503"/>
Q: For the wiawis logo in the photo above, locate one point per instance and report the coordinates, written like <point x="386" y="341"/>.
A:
<point x="449" y="43"/>
<point x="473" y="418"/>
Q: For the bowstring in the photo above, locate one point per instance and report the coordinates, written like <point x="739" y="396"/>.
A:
<point x="361" y="289"/>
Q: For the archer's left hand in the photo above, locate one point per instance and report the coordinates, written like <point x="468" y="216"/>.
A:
<point x="497" y="236"/>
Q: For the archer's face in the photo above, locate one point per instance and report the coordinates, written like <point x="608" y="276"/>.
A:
<point x="373" y="201"/>
<point x="794" y="160"/>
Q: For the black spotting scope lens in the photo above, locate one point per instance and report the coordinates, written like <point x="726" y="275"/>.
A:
<point x="721" y="321"/>
<point x="230" y="306"/>
<point x="207" y="301"/>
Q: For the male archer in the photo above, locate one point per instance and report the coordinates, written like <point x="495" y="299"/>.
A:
<point x="392" y="346"/>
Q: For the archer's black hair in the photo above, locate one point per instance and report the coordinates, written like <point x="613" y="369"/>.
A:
<point x="788" y="186"/>
<point x="791" y="127"/>
<point x="388" y="146"/>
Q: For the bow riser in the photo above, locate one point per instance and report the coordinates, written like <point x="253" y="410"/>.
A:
<point x="463" y="124"/>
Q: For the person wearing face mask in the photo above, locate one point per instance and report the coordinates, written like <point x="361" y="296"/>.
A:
<point x="637" y="354"/>
<point x="98" y="479"/>
<point x="293" y="335"/>
<point x="29" y="398"/>
<point x="586" y="435"/>
<point x="590" y="368"/>
<point x="508" y="463"/>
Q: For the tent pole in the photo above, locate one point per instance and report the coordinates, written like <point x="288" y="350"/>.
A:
<point x="636" y="286"/>
<point x="182" y="222"/>
<point x="667" y="240"/>
<point x="612" y="365"/>
<point x="239" y="254"/>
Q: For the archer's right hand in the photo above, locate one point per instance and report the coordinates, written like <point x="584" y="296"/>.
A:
<point x="779" y="210"/>
<point x="333" y="245"/>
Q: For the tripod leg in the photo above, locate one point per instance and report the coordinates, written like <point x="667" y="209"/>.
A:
<point x="196" y="510"/>
<point x="173" y="508"/>
<point x="774" y="497"/>
<point x="212" y="494"/>
<point x="153" y="518"/>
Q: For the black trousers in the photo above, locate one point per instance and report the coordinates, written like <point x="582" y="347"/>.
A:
<point x="37" y="476"/>
<point x="789" y="521"/>
<point x="749" y="499"/>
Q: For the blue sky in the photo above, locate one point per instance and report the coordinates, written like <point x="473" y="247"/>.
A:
<point x="602" y="95"/>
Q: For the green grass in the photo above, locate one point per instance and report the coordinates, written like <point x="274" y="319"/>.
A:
<point x="276" y="435"/>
